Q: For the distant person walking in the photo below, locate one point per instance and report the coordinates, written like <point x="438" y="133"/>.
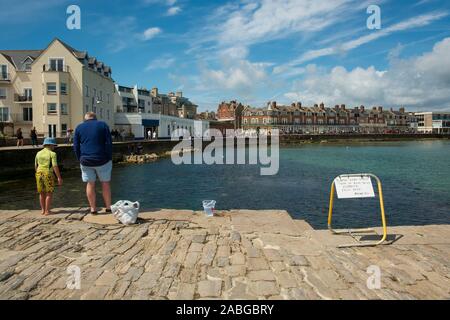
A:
<point x="33" y="136"/>
<point x="19" y="136"/>
<point x="69" y="136"/>
<point x="93" y="147"/>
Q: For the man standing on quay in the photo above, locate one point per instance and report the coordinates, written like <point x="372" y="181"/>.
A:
<point x="93" y="147"/>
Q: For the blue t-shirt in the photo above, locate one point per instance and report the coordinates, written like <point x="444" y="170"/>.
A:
<point x="92" y="143"/>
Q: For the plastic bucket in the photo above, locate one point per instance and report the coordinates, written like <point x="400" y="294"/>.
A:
<point x="208" y="206"/>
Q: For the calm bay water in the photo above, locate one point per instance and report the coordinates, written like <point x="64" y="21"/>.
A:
<point x="415" y="177"/>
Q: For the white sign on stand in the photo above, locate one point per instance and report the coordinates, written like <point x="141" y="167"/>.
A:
<point x="348" y="187"/>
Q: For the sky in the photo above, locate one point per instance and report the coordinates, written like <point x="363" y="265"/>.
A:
<point x="256" y="51"/>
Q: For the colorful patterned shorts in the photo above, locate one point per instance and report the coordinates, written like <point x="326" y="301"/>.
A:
<point x="45" y="182"/>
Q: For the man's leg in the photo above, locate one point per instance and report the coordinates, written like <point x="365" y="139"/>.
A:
<point x="106" y="189"/>
<point x="48" y="203"/>
<point x="42" y="201"/>
<point x="90" y="193"/>
<point x="104" y="175"/>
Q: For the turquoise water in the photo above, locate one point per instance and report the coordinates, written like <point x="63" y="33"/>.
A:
<point x="415" y="177"/>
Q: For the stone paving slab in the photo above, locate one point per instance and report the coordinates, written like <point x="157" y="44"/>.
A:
<point x="238" y="254"/>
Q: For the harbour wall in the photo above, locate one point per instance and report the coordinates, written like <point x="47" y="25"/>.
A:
<point x="18" y="162"/>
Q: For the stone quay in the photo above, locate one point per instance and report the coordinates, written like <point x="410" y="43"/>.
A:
<point x="238" y="254"/>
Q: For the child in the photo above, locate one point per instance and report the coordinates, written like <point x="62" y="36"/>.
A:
<point x="46" y="164"/>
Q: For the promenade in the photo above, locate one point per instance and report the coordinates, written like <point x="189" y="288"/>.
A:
<point x="239" y="254"/>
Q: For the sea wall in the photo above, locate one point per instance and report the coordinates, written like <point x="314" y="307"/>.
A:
<point x="18" y="162"/>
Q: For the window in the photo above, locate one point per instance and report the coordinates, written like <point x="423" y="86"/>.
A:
<point x="64" y="109"/>
<point x="28" y="92"/>
<point x="87" y="91"/>
<point x="100" y="96"/>
<point x="27" y="114"/>
<point x="63" y="88"/>
<point x="56" y="64"/>
<point x="4" y="72"/>
<point x="4" y="114"/>
<point x="27" y="67"/>
<point x="2" y="93"/>
<point x="87" y="109"/>
<point x="63" y="129"/>
<point x="51" y="108"/>
<point x="51" y="88"/>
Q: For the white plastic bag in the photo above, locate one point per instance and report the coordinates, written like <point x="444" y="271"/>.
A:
<point x="126" y="211"/>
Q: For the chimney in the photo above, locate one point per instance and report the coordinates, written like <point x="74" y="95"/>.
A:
<point x="274" y="104"/>
<point x="322" y="106"/>
<point x="299" y="104"/>
<point x="315" y="105"/>
<point x="362" y="108"/>
<point x="402" y="110"/>
<point x="380" y="109"/>
<point x="336" y="107"/>
<point x="343" y="106"/>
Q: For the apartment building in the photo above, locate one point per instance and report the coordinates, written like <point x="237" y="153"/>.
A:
<point x="52" y="89"/>
<point x="433" y="122"/>
<point x="133" y="100"/>
<point x="231" y="112"/>
<point x="320" y="119"/>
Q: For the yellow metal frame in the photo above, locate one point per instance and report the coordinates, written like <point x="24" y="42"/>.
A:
<point x="365" y="230"/>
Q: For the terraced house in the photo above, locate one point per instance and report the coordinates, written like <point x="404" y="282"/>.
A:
<point x="320" y="119"/>
<point x="51" y="89"/>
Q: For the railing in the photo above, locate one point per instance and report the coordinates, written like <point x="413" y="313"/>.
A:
<point x="50" y="68"/>
<point x="22" y="98"/>
<point x="14" y="118"/>
<point x="5" y="76"/>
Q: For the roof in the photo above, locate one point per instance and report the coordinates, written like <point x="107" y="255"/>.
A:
<point x="18" y="57"/>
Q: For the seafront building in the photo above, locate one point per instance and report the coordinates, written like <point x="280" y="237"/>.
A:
<point x="231" y="112"/>
<point x="143" y="113"/>
<point x="319" y="119"/>
<point x="433" y="122"/>
<point x="51" y="89"/>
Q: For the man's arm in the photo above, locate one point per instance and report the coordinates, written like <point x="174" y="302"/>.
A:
<point x="76" y="144"/>
<point x="108" y="142"/>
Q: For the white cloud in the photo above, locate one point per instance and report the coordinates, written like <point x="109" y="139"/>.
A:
<point x="172" y="11"/>
<point x="150" y="33"/>
<point x="411" y="23"/>
<point x="241" y="76"/>
<point x="164" y="62"/>
<point x="421" y="82"/>
<point x="264" y="20"/>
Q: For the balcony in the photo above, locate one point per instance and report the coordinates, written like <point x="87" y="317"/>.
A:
<point x="23" y="98"/>
<point x="5" y="77"/>
<point x="15" y="118"/>
<point x="55" y="68"/>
